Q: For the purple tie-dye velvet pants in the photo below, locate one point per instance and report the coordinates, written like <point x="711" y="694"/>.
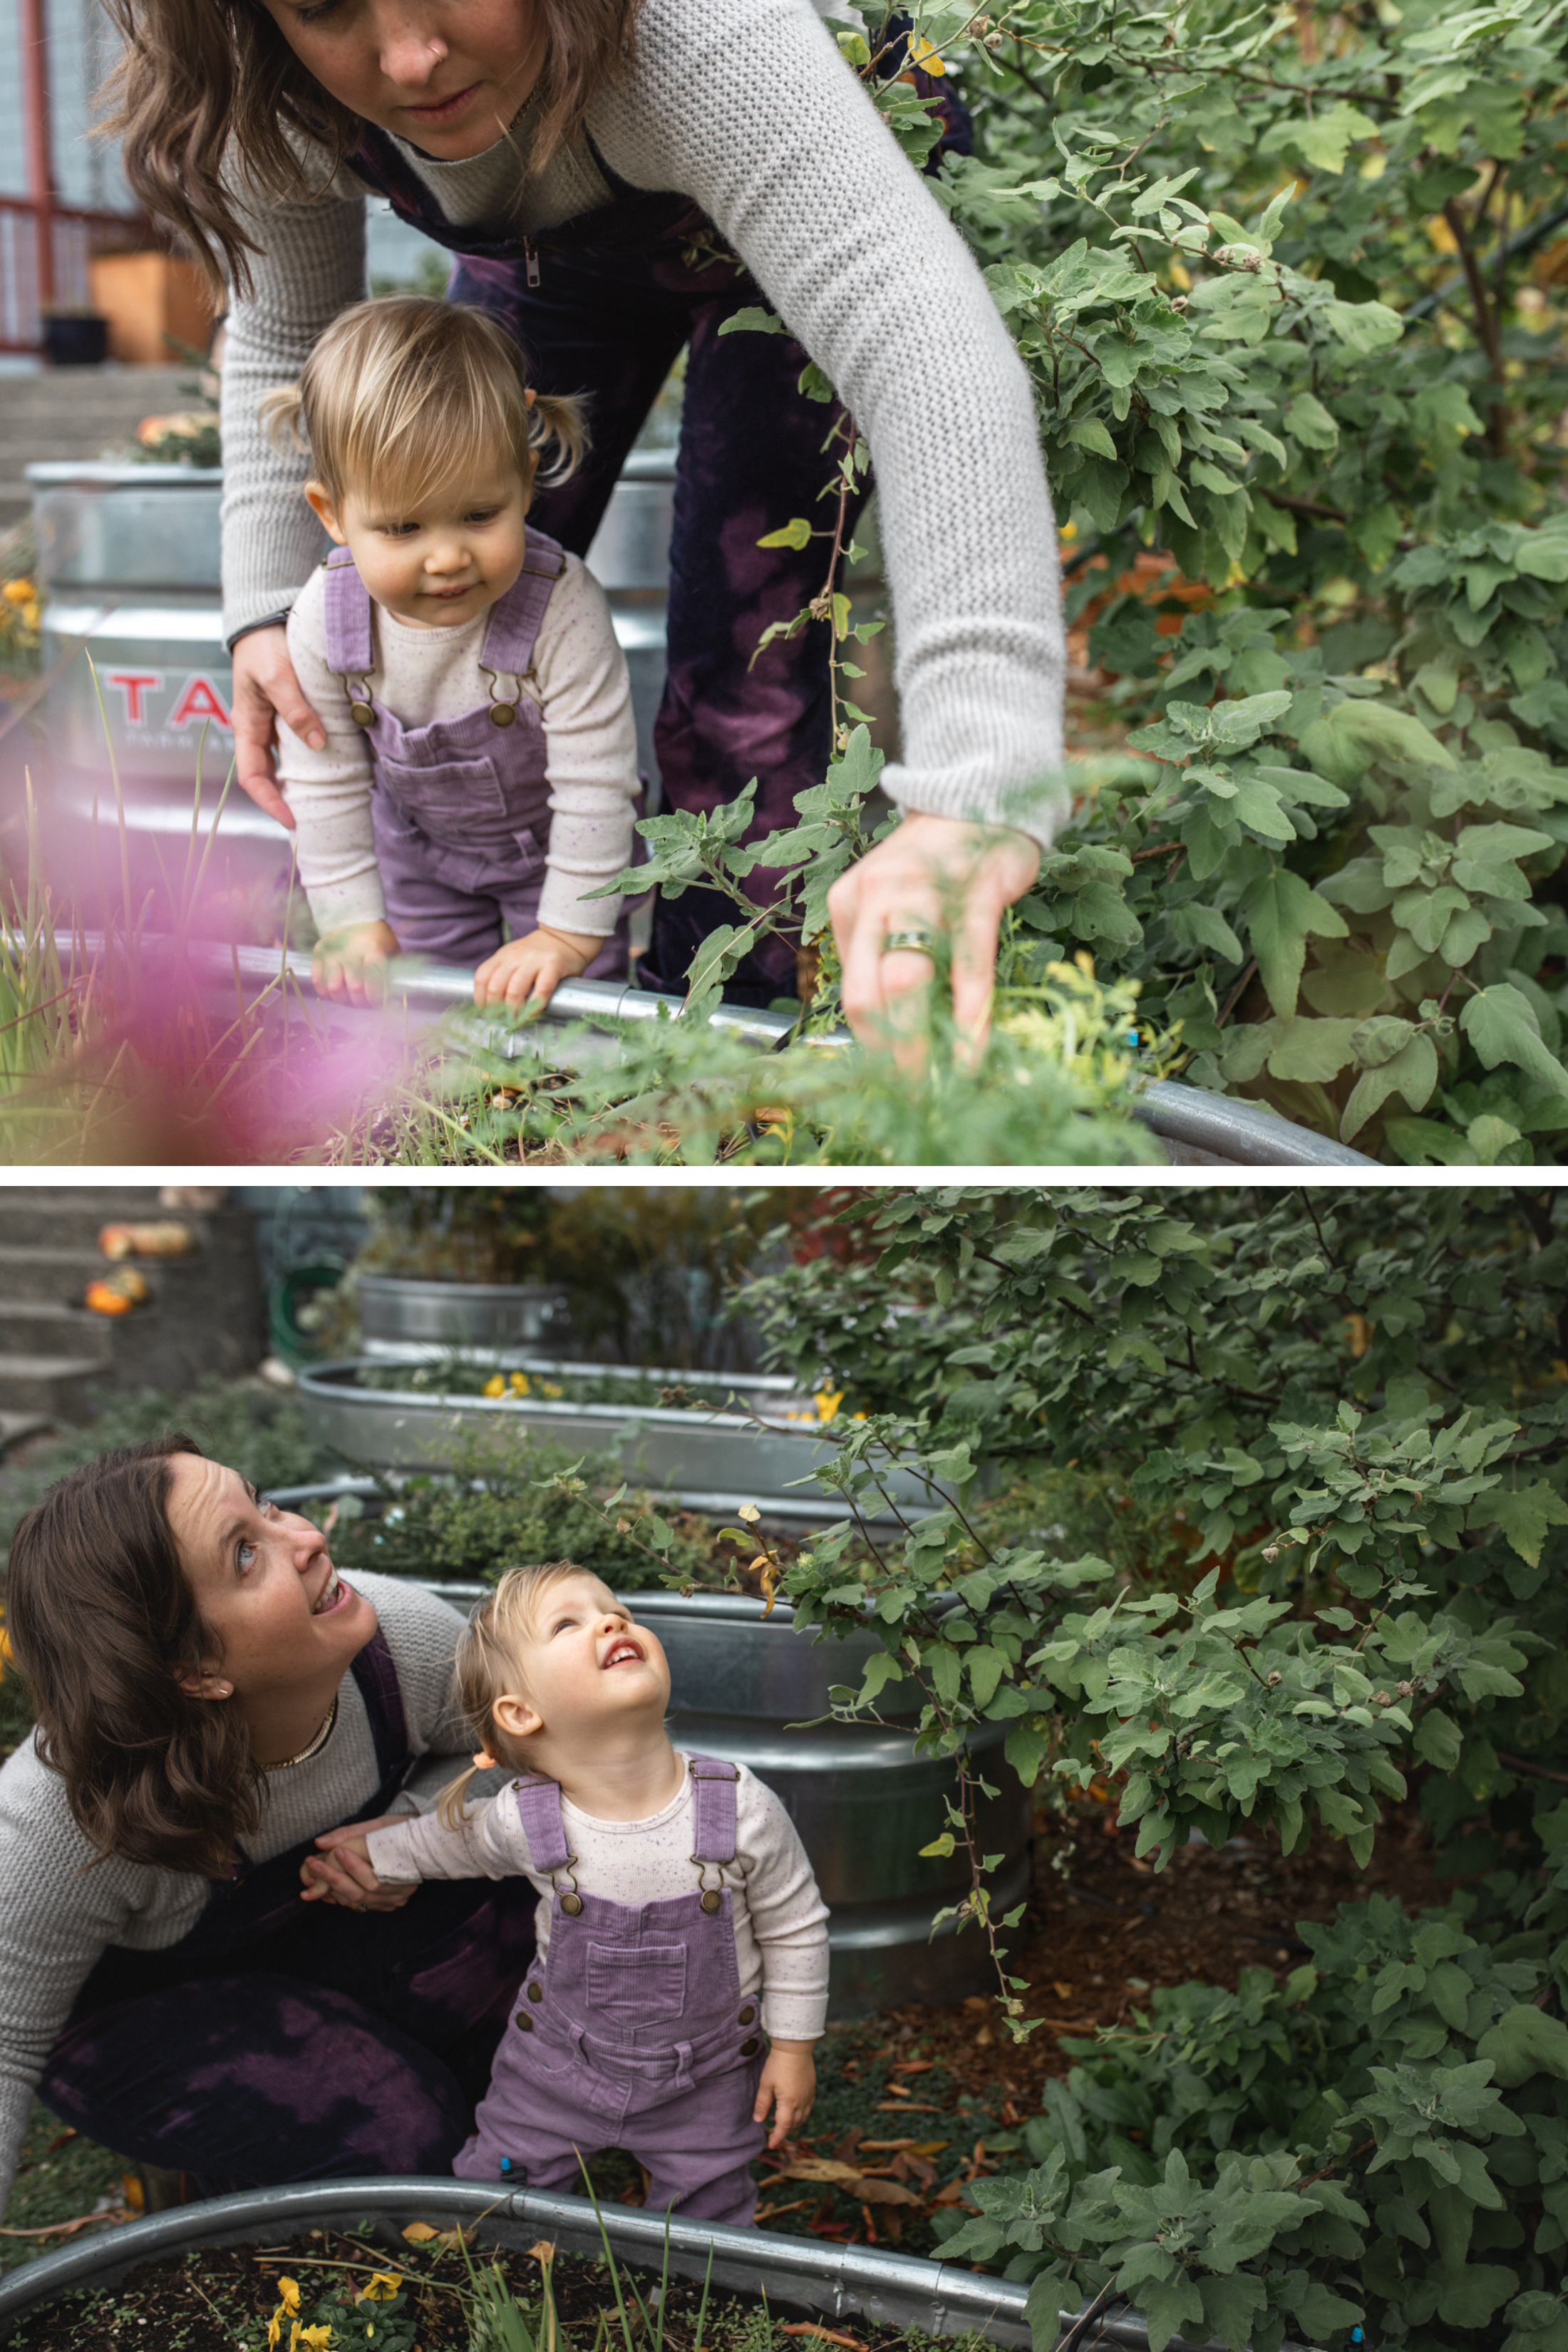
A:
<point x="288" y="2040"/>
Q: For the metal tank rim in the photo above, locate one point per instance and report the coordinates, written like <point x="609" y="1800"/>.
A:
<point x="943" y="2298"/>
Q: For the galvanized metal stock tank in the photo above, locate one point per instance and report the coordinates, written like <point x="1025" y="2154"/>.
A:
<point x="709" y="1461"/>
<point x="401" y="1314"/>
<point x="749" y="1687"/>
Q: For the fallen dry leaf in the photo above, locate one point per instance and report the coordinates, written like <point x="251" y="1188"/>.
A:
<point x="817" y="2167"/>
<point x="827" y="2335"/>
<point x="872" y="2191"/>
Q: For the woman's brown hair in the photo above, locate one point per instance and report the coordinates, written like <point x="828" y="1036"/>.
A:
<point x="208" y="97"/>
<point x="102" y="1620"/>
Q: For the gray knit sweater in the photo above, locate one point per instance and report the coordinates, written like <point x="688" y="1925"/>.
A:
<point x="57" y="1916"/>
<point x="749" y="108"/>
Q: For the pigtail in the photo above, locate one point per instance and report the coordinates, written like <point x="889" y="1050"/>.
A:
<point x="453" y="1798"/>
<point x="556" y="421"/>
<point x="282" y="414"/>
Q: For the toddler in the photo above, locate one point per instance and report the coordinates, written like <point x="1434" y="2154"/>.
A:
<point x="678" y="1921"/>
<point x="480" y="760"/>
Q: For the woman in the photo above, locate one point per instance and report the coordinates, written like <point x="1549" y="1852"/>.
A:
<point x="182" y="1976"/>
<point x="617" y="179"/>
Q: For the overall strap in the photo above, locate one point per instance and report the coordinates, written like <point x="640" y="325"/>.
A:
<point x="714" y="1783"/>
<point x="538" y="1810"/>
<point x="515" y="618"/>
<point x="350" y="644"/>
<point x="376" y="1675"/>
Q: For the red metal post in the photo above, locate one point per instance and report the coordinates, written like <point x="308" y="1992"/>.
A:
<point x="41" y="153"/>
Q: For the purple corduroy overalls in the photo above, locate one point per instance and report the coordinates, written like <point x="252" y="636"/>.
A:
<point x="631" y="2032"/>
<point x="461" y="808"/>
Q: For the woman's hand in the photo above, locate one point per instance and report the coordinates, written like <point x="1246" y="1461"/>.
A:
<point x="265" y="691"/>
<point x="342" y="1873"/>
<point x="532" y="968"/>
<point x="934" y="874"/>
<point x="788" y="2078"/>
<point x="351" y="964"/>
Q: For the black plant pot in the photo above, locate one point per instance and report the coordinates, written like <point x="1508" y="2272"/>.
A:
<point x="73" y="340"/>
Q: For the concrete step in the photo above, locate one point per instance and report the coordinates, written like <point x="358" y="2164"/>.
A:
<point x="55" y="1385"/>
<point x="38" y="1218"/>
<point x="58" y="1275"/>
<point x="43" y="1327"/>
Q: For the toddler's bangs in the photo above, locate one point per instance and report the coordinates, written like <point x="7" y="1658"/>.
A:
<point x="403" y="397"/>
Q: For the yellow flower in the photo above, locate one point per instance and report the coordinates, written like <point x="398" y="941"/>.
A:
<point x="4" y="1651"/>
<point x="520" y="1383"/>
<point x="288" y="2295"/>
<point x="274" y="2329"/>
<point x="552" y="1389"/>
<point x="380" y="2288"/>
<point x="18" y="591"/>
<point x="495" y="1386"/>
<point x="827" y="1402"/>
<point x="309" y="2339"/>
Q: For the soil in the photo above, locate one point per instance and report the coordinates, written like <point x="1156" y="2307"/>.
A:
<point x="222" y="2299"/>
<point x="915" y="2103"/>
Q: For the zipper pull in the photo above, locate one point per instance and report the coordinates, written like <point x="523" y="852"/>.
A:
<point x="531" y="260"/>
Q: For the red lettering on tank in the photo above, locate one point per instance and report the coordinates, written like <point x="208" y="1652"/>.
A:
<point x="132" y="685"/>
<point x="200" y="700"/>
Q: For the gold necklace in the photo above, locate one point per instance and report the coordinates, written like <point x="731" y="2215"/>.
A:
<point x="317" y="1741"/>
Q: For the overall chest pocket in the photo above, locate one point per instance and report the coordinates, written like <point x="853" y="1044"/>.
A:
<point x="626" y="1982"/>
<point x="448" y="793"/>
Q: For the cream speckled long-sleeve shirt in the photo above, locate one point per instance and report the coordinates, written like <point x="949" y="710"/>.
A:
<point x="781" y="1920"/>
<point x="579" y="681"/>
<point x="749" y="110"/>
<point x="58" y="1915"/>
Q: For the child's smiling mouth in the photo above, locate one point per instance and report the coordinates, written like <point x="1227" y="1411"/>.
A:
<point x="622" y="1652"/>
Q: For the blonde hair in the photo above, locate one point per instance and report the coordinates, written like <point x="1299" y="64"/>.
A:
<point x="210" y="105"/>
<point x="398" y="393"/>
<point x="485" y="1665"/>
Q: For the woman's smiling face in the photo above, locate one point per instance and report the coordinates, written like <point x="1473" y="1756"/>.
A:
<point x="264" y="1582"/>
<point x="446" y="75"/>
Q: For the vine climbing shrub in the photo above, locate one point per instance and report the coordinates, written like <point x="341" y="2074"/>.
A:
<point x="1358" y="1405"/>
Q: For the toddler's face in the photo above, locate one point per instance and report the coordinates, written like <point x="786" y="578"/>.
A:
<point x="588" y="1664"/>
<point x="441" y="561"/>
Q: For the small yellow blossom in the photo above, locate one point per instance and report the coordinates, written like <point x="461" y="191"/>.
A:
<point x="4" y="1651"/>
<point x="827" y="1402"/>
<point x="380" y="2288"/>
<point x="309" y="2339"/>
<point x="495" y="1386"/>
<point x="552" y="1389"/>
<point x="520" y="1383"/>
<point x="18" y="591"/>
<point x="288" y="2295"/>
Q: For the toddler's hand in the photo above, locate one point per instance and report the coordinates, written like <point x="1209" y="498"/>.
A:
<point x="343" y="1874"/>
<point x="351" y="964"/>
<point x="789" y="2077"/>
<point x="532" y="968"/>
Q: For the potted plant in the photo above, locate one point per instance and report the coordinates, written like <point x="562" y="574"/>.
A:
<point x="446" y="1269"/>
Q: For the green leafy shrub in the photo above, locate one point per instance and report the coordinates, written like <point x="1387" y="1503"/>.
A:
<point x="1358" y="1403"/>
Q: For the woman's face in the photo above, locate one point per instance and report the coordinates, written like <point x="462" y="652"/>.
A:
<point x="446" y="75"/>
<point x="264" y="1584"/>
